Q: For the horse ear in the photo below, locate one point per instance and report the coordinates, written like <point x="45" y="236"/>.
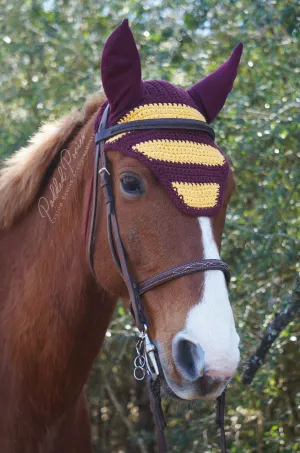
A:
<point x="121" y="70"/>
<point x="210" y="94"/>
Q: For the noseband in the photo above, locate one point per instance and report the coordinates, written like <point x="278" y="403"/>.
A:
<point x="145" y="360"/>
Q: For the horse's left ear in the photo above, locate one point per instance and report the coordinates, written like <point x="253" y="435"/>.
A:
<point x="121" y="71"/>
<point x="210" y="94"/>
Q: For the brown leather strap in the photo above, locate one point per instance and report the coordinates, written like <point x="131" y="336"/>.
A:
<point x="115" y="242"/>
<point x="113" y="232"/>
<point x="184" y="269"/>
<point x="91" y="239"/>
<point x="155" y="123"/>
<point x="220" y="417"/>
<point x="155" y="404"/>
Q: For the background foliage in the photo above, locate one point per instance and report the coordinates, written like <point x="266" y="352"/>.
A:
<point x="49" y="63"/>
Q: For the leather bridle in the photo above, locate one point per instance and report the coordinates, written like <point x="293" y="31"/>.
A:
<point x="145" y="359"/>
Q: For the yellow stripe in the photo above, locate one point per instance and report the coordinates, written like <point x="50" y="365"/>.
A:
<point x="198" y="195"/>
<point x="152" y="111"/>
<point x="180" y="151"/>
<point x="116" y="137"/>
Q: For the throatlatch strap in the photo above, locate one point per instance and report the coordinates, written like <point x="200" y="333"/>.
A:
<point x="220" y="415"/>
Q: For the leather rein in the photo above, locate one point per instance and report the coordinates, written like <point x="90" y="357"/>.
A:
<point x="145" y="361"/>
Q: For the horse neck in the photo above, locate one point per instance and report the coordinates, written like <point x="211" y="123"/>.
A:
<point x="56" y="315"/>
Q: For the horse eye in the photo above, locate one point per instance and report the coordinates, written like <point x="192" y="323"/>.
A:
<point x="131" y="184"/>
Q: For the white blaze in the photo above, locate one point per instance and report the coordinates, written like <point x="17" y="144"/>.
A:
<point x="211" y="322"/>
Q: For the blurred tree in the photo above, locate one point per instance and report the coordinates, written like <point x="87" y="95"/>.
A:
<point x="49" y="63"/>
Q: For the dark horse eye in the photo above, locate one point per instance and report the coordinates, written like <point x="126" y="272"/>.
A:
<point x="131" y="184"/>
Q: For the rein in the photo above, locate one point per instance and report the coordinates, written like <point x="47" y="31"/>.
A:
<point x="145" y="362"/>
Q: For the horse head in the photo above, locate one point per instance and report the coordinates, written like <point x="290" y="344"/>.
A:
<point x="171" y="190"/>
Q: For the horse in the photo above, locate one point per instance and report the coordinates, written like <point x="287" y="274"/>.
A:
<point x="171" y="189"/>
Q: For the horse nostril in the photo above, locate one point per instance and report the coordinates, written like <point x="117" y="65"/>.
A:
<point x="189" y="358"/>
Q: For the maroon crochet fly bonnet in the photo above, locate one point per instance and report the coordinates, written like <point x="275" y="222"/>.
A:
<point x="189" y="164"/>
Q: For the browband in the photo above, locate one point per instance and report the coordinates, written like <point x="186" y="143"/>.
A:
<point x="161" y="123"/>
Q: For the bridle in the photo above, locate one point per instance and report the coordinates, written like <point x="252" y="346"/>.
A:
<point x="145" y="362"/>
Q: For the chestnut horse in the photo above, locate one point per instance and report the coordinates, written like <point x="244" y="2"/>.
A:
<point x="54" y="313"/>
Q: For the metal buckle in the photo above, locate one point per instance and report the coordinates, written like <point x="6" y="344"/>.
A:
<point x="145" y="361"/>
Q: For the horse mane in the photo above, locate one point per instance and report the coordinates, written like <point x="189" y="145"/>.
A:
<point x="22" y="174"/>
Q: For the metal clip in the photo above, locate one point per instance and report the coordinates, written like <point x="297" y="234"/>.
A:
<point x="140" y="361"/>
<point x="145" y="361"/>
<point x="102" y="170"/>
<point x="139" y="368"/>
<point x="151" y="363"/>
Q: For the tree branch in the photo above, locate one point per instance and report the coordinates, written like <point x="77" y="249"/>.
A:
<point x="278" y="324"/>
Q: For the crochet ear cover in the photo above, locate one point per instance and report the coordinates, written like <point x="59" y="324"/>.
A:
<point x="121" y="71"/>
<point x="211" y="93"/>
<point x="188" y="164"/>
